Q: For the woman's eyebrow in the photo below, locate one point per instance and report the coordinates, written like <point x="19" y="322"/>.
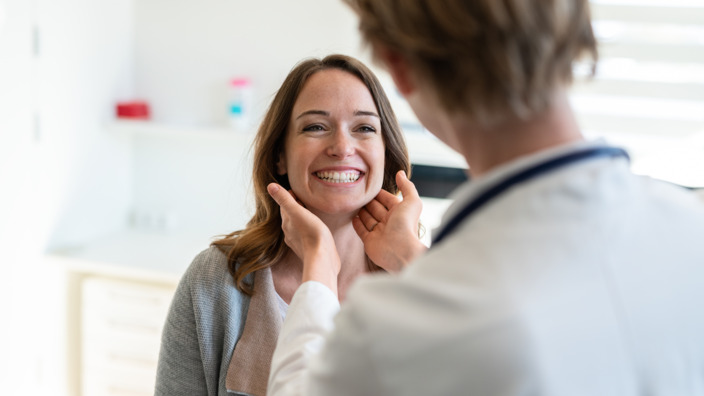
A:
<point x="315" y="112"/>
<point x="358" y="113"/>
<point x="366" y="113"/>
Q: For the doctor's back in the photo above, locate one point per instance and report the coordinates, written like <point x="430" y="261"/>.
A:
<point x="587" y="281"/>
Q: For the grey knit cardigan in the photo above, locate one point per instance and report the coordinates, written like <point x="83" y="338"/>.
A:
<point x="217" y="341"/>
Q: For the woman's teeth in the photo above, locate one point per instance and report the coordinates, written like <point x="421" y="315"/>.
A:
<point x="338" y="177"/>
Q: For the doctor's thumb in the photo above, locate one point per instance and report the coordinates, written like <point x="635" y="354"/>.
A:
<point x="278" y="193"/>
<point x="407" y="188"/>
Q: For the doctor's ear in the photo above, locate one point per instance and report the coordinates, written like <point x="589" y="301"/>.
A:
<point x="399" y="68"/>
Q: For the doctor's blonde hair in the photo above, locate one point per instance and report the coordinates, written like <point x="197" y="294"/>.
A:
<point x="261" y="243"/>
<point x="491" y="59"/>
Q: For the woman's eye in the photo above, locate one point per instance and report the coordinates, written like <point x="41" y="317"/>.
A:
<point x="313" y="128"/>
<point x="366" y="128"/>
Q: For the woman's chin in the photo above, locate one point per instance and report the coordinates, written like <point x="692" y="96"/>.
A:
<point x="343" y="211"/>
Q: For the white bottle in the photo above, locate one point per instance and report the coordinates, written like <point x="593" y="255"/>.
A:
<point x="240" y="106"/>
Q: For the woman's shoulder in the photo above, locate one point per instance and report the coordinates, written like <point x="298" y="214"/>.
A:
<point x="210" y="272"/>
<point x="209" y="262"/>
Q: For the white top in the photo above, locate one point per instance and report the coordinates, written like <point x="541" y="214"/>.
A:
<point x="587" y="280"/>
<point x="283" y="307"/>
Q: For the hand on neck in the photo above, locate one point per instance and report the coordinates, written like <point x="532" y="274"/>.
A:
<point x="288" y="273"/>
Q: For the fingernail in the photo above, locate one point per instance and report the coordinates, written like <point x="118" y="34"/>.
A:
<point x="273" y="188"/>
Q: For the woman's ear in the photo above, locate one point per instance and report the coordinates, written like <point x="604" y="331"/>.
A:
<point x="281" y="165"/>
<point x="399" y="69"/>
<point x="282" y="175"/>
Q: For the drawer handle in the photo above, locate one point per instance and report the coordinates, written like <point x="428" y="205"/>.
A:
<point x="141" y="299"/>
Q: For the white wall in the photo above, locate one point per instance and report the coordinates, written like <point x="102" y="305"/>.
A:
<point x="85" y="64"/>
<point x="16" y="150"/>
<point x="198" y="186"/>
<point x="186" y="51"/>
<point x="63" y="179"/>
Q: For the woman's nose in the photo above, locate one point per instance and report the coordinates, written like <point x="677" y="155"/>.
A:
<point x="341" y="146"/>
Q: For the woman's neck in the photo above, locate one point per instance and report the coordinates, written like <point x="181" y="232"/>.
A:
<point x="287" y="273"/>
<point x="352" y="256"/>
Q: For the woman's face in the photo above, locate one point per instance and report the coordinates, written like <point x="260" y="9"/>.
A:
<point x="334" y="151"/>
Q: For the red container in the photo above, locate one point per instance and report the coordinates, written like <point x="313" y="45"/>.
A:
<point x="138" y="110"/>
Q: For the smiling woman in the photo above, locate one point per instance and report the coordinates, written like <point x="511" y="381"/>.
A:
<point x="334" y="155"/>
<point x="331" y="137"/>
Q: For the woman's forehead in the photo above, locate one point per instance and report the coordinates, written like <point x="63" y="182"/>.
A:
<point x="333" y="89"/>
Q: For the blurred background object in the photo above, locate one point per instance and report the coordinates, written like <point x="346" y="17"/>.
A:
<point x="240" y="103"/>
<point x="135" y="110"/>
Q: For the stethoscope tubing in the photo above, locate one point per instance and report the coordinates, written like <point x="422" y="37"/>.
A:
<point x="494" y="191"/>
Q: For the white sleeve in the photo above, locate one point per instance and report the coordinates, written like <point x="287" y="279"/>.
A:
<point x="308" y="320"/>
<point x="321" y="352"/>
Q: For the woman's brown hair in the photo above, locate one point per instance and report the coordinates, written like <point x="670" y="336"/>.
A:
<point x="261" y="243"/>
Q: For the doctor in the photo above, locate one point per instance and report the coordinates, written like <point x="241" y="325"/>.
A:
<point x="556" y="271"/>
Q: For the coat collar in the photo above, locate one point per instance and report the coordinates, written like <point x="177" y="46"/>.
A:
<point x="248" y="371"/>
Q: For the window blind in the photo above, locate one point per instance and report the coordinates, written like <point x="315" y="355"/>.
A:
<point x="648" y="93"/>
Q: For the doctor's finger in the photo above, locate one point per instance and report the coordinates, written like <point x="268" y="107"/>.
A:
<point x="387" y="199"/>
<point x="359" y="228"/>
<point x="367" y="219"/>
<point x="377" y="210"/>
<point x="280" y="195"/>
<point x="408" y="189"/>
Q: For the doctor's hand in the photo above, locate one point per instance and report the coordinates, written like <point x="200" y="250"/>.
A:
<point x="308" y="237"/>
<point x="388" y="226"/>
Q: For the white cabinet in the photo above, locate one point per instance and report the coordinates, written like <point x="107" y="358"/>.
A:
<point x="119" y="289"/>
<point x="121" y="322"/>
